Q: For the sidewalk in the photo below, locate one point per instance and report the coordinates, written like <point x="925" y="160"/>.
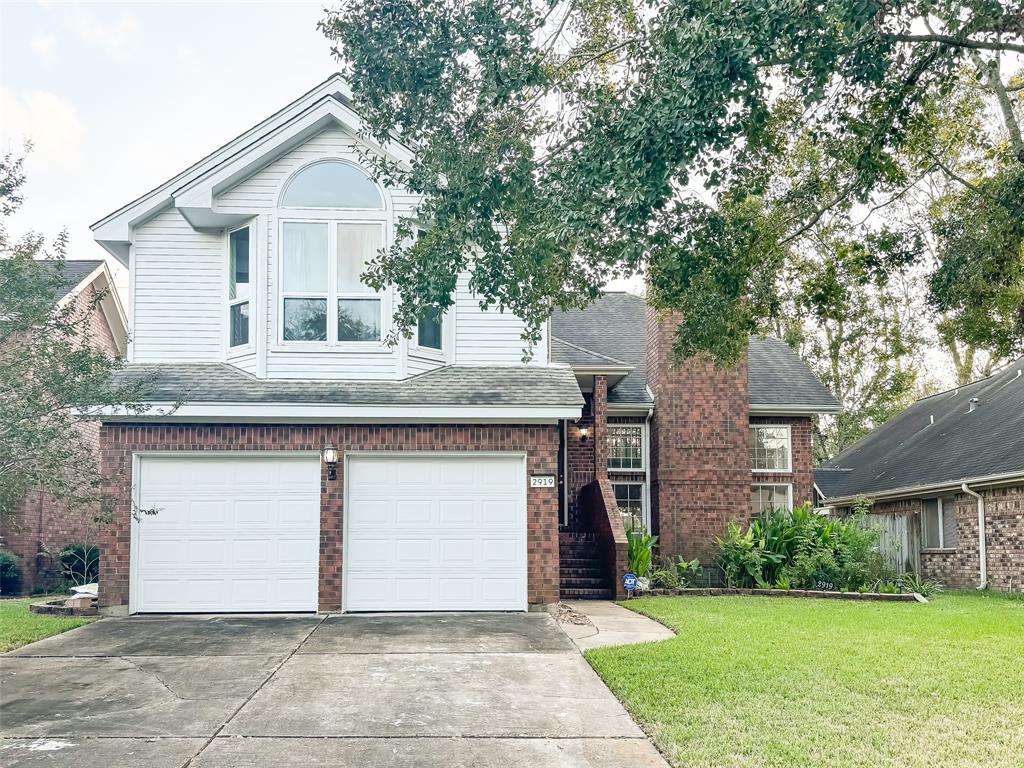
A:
<point x="612" y="625"/>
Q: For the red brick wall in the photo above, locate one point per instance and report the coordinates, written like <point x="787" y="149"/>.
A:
<point x="41" y="523"/>
<point x="802" y="463"/>
<point x="699" y="445"/>
<point x="540" y="443"/>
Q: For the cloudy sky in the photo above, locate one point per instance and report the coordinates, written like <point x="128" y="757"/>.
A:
<point x="118" y="97"/>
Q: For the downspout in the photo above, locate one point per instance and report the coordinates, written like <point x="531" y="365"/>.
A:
<point x="982" y="550"/>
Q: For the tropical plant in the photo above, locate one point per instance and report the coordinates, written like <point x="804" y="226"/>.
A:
<point x="689" y="571"/>
<point x="641" y="551"/>
<point x="912" y="582"/>
<point x="738" y="557"/>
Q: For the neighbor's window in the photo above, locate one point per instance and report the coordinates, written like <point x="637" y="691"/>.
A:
<point x="770" y="448"/>
<point x="428" y="328"/>
<point x="625" y="447"/>
<point x="765" y="497"/>
<point x="238" y="287"/>
<point x="312" y="281"/>
<point x="331" y="184"/>
<point x="938" y="523"/>
<point x="630" y="498"/>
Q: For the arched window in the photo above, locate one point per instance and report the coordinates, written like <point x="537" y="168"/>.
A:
<point x="331" y="184"/>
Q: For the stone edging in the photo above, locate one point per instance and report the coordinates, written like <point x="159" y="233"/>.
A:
<point x="903" y="597"/>
<point x="57" y="608"/>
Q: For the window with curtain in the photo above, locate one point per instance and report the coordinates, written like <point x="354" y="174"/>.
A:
<point x="238" y="287"/>
<point x="938" y="523"/>
<point x="304" y="281"/>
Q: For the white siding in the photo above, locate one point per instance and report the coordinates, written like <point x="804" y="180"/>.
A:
<point x="179" y="291"/>
<point x="488" y="337"/>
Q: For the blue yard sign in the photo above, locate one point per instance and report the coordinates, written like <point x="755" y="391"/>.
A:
<point x="629" y="582"/>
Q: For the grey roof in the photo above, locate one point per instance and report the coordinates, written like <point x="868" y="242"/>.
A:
<point x="912" y="450"/>
<point x="74" y="272"/>
<point x="565" y="352"/>
<point x="615" y="326"/>
<point x="451" y="385"/>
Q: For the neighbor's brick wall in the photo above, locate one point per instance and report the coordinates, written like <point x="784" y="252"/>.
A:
<point x="699" y="445"/>
<point x="41" y="524"/>
<point x="539" y="442"/>
<point x="802" y="476"/>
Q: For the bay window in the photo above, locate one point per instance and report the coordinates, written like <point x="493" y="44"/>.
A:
<point x="239" y="261"/>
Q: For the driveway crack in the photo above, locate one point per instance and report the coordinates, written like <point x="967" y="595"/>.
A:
<point x="155" y="676"/>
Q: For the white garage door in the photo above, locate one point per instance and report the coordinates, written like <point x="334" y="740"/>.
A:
<point x="435" y="533"/>
<point x="232" y="534"/>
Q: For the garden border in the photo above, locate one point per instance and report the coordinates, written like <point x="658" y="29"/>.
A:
<point x="903" y="597"/>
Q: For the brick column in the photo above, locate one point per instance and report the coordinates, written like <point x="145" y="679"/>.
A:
<point x="600" y="428"/>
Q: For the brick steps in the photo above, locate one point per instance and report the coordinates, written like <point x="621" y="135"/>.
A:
<point x="572" y="593"/>
<point x="581" y="573"/>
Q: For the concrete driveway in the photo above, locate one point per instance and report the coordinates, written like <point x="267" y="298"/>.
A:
<point x="456" y="690"/>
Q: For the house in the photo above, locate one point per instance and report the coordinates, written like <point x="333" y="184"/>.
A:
<point x="308" y="465"/>
<point x="40" y="525"/>
<point x="946" y="478"/>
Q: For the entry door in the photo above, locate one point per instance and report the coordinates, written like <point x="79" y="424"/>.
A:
<point x="435" y="533"/>
<point x="231" y="534"/>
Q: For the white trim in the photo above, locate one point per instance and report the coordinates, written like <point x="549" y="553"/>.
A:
<point x="922" y="491"/>
<point x="338" y="413"/>
<point x="385" y="198"/>
<point x="249" y="348"/>
<point x="789" y="450"/>
<point x="795" y="409"/>
<point x="427" y="454"/>
<point x="643" y="445"/>
<point x="787" y="486"/>
<point x="943" y="547"/>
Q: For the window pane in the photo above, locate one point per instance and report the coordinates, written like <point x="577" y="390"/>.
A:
<point x="238" y="285"/>
<point x="769" y="448"/>
<point x="359" y="320"/>
<point x="240" y="324"/>
<point x="765" y="497"/>
<point x="949" y="522"/>
<point x="305" y="257"/>
<point x="332" y="185"/>
<point x="305" y="319"/>
<point x="930" y="524"/>
<point x="630" y="498"/>
<point x="625" y="449"/>
<point x="357" y="244"/>
<point x="428" y="329"/>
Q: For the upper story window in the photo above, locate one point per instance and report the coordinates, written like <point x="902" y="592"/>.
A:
<point x="625" y="447"/>
<point x="322" y="296"/>
<point x="331" y="184"/>
<point x="239" y="262"/>
<point x="770" y="448"/>
<point x="938" y="523"/>
<point x="428" y="329"/>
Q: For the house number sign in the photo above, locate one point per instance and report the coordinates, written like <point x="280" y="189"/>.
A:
<point x="542" y="481"/>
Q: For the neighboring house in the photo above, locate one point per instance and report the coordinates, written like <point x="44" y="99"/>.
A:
<point x="312" y="466"/>
<point x="945" y="469"/>
<point x="41" y="525"/>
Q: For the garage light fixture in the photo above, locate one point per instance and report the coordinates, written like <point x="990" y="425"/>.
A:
<point x="584" y="433"/>
<point x="330" y="457"/>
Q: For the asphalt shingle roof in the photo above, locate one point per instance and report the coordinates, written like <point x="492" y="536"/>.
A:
<point x="615" y="326"/>
<point x="74" y="273"/>
<point x="451" y="385"/>
<point x="937" y="441"/>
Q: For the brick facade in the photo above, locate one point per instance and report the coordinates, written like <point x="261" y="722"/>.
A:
<point x="700" y="457"/>
<point x="801" y="460"/>
<point x="958" y="567"/>
<point x="42" y="526"/>
<point x="539" y="442"/>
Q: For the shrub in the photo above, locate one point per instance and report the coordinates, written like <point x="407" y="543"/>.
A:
<point x="10" y="573"/>
<point x="911" y="582"/>
<point x="689" y="571"/>
<point x="641" y="551"/>
<point x="738" y="557"/>
<point x="81" y="563"/>
<point x="664" y="578"/>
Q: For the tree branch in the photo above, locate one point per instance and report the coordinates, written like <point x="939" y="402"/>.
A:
<point x="995" y="84"/>
<point x="956" y="42"/>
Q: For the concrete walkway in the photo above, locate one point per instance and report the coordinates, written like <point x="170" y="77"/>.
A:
<point x="613" y="625"/>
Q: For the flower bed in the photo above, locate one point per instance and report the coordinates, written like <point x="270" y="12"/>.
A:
<point x="905" y="597"/>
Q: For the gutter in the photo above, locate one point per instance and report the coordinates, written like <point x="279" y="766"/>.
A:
<point x="924" y="490"/>
<point x="982" y="549"/>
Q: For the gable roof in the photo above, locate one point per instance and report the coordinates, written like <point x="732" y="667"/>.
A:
<point x="73" y="274"/>
<point x="938" y="441"/>
<point x="615" y="326"/>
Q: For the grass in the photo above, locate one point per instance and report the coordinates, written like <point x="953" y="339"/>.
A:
<point x="757" y="682"/>
<point x="18" y="626"/>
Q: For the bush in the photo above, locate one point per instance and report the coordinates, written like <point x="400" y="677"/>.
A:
<point x="911" y="582"/>
<point x="10" y="573"/>
<point x="665" y="578"/>
<point x="802" y="550"/>
<point x="689" y="572"/>
<point x="81" y="563"/>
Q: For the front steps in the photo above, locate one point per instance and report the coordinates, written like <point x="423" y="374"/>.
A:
<point x="581" y="572"/>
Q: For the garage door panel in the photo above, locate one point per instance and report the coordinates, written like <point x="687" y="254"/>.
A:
<point x="427" y="533"/>
<point x="229" y="534"/>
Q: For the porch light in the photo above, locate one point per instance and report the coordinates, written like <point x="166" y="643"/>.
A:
<point x="330" y="457"/>
<point x="584" y="433"/>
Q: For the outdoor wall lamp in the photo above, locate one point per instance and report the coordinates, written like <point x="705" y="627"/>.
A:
<point x="584" y="433"/>
<point x="330" y="456"/>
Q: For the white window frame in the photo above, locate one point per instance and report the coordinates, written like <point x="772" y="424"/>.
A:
<point x="943" y="545"/>
<point x="432" y="352"/>
<point x="250" y="346"/>
<point x="787" y="486"/>
<point x="789" y="451"/>
<point x="645" y="511"/>
<point x="332" y="294"/>
<point x="643" y="447"/>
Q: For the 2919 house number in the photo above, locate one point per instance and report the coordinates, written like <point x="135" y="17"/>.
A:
<point x="542" y="481"/>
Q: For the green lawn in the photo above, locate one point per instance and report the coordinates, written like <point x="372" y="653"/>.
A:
<point x="20" y="627"/>
<point x="754" y="681"/>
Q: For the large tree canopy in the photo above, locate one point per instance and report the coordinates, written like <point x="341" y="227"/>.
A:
<point x="571" y="143"/>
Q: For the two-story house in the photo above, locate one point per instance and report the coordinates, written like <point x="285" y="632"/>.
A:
<point x="309" y="465"/>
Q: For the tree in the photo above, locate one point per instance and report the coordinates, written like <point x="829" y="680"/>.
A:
<point x="52" y="375"/>
<point x="563" y="140"/>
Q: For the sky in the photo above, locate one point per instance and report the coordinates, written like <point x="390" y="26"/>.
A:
<point x="119" y="97"/>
